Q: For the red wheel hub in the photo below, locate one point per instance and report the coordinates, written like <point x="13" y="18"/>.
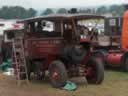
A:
<point x="55" y="74"/>
<point x="91" y="71"/>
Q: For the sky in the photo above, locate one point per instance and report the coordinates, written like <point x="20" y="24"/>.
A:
<point x="42" y="4"/>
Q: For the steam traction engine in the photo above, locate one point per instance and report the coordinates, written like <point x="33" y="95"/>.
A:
<point x="52" y="43"/>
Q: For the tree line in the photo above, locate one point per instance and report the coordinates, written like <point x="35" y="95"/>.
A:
<point x="115" y="10"/>
<point x="18" y="12"/>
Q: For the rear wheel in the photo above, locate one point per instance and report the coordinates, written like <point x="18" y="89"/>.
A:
<point x="57" y="74"/>
<point x="102" y="54"/>
<point x="95" y="71"/>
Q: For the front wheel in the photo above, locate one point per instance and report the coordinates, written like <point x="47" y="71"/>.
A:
<point x="95" y="71"/>
<point x="57" y="74"/>
<point x="102" y="54"/>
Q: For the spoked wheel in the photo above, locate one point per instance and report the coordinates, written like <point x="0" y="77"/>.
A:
<point x="57" y="74"/>
<point x="95" y="71"/>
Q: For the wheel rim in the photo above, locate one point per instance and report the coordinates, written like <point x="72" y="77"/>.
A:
<point x="91" y="72"/>
<point x="55" y="74"/>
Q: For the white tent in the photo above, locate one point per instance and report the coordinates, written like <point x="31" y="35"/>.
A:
<point x="8" y="24"/>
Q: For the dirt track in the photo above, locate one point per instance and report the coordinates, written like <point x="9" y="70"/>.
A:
<point x="115" y="84"/>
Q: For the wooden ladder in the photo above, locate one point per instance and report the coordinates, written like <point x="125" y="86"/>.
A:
<point x="19" y="61"/>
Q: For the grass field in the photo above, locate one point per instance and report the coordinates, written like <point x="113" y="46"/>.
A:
<point x="115" y="84"/>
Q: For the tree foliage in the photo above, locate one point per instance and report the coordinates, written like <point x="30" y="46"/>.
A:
<point x="115" y="10"/>
<point x="16" y="12"/>
<point x="62" y="11"/>
<point x="102" y="10"/>
<point x="47" y="11"/>
<point x="87" y="10"/>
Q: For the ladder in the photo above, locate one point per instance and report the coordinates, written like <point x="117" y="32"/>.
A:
<point x="19" y="61"/>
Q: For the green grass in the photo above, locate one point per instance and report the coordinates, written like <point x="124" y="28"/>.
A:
<point x="115" y="84"/>
<point x="116" y="75"/>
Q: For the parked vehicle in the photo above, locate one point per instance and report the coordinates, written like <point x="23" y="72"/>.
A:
<point x="7" y="27"/>
<point x="61" y="52"/>
<point x="113" y="46"/>
<point x="8" y="24"/>
<point x="6" y="46"/>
